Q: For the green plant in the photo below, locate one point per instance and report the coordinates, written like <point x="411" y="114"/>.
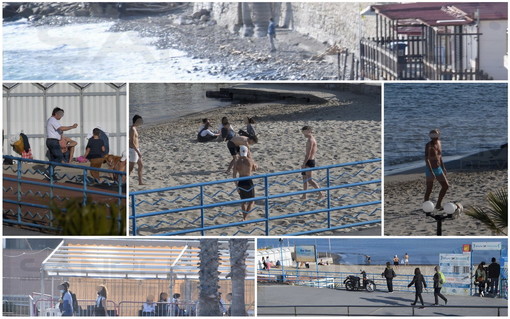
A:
<point x="496" y="215"/>
<point x="91" y="218"/>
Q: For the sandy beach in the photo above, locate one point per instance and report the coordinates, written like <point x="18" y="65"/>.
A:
<point x="347" y="128"/>
<point x="403" y="197"/>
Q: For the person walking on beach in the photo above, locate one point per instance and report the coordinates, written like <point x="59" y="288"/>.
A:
<point x="135" y="156"/>
<point x="244" y="166"/>
<point x="480" y="278"/>
<point x="435" y="167"/>
<point x="389" y="274"/>
<point x="271" y="33"/>
<point x="311" y="151"/>
<point x="234" y="144"/>
<point x="419" y="283"/>
<point x="406" y="259"/>
<point x="439" y="280"/>
<point x="494" y="271"/>
<point x="396" y="261"/>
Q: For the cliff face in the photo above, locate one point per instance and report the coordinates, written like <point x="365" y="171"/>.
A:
<point x="331" y="22"/>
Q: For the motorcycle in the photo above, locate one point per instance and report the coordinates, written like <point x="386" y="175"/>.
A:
<point x="356" y="283"/>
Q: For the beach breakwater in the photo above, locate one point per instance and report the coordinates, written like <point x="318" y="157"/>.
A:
<point x="331" y="22"/>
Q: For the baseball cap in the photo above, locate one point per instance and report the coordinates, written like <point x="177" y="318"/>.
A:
<point x="243" y="151"/>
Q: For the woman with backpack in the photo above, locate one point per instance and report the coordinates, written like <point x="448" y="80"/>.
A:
<point x="439" y="280"/>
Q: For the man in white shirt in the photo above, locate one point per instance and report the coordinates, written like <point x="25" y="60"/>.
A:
<point x="54" y="133"/>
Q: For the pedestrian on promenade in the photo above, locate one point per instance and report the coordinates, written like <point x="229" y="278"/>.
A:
<point x="389" y="274"/>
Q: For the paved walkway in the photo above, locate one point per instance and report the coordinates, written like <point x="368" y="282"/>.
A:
<point x="372" y="304"/>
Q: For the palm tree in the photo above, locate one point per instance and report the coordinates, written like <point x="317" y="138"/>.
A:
<point x="238" y="248"/>
<point x="209" y="299"/>
<point x="496" y="216"/>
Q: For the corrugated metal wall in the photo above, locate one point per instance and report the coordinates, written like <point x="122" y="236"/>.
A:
<point x="27" y="106"/>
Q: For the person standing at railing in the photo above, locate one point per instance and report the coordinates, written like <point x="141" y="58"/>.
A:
<point x="135" y="156"/>
<point x="311" y="151"/>
<point x="389" y="274"/>
<point x="100" y="308"/>
<point x="66" y="301"/>
<point x="162" y="305"/>
<point x="54" y="131"/>
<point x="244" y="166"/>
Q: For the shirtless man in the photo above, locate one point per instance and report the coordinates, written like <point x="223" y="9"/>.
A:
<point x="134" y="148"/>
<point x="244" y="166"/>
<point x="435" y="167"/>
<point x="234" y="144"/>
<point x="311" y="150"/>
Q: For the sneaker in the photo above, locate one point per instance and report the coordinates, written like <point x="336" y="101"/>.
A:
<point x="481" y="294"/>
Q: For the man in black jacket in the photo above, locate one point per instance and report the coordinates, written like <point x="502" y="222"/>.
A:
<point x="494" y="270"/>
<point x="389" y="274"/>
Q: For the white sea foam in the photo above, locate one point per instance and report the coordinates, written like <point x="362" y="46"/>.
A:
<point x="90" y="52"/>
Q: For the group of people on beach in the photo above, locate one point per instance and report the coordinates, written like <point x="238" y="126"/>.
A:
<point x="61" y="148"/>
<point x="242" y="163"/>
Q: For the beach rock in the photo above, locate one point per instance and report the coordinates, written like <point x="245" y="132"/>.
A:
<point x="199" y="14"/>
<point x="24" y="11"/>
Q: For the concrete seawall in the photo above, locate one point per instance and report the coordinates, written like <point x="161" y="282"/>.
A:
<point x="331" y="22"/>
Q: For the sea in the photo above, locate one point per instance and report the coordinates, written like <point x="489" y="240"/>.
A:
<point x="160" y="102"/>
<point x="472" y="117"/>
<point x="88" y="51"/>
<point x="421" y="251"/>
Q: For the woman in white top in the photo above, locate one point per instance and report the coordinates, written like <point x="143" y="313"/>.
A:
<point x="149" y="307"/>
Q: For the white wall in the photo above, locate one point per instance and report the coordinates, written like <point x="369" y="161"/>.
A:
<point x="27" y="106"/>
<point x="493" y="48"/>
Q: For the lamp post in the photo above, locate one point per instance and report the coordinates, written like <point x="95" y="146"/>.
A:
<point x="281" y="259"/>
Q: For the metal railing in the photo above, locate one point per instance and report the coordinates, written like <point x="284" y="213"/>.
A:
<point x="198" y="208"/>
<point x="318" y="310"/>
<point x="18" y="210"/>
<point x="335" y="280"/>
<point x="49" y="307"/>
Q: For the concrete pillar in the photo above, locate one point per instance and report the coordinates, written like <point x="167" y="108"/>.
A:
<point x="261" y="14"/>
<point x="247" y="29"/>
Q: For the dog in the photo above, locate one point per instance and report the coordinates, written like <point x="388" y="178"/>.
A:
<point x="115" y="163"/>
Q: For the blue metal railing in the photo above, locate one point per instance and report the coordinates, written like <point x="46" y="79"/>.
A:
<point x="352" y="198"/>
<point x="50" y="171"/>
<point x="331" y="279"/>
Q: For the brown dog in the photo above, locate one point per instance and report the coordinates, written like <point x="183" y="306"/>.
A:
<point x="115" y="163"/>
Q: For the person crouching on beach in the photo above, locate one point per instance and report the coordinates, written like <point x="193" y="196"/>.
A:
<point x="311" y="150"/>
<point x="435" y="167"/>
<point x="234" y="144"/>
<point x="244" y="166"/>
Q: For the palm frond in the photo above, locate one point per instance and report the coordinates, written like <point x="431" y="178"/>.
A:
<point x="495" y="217"/>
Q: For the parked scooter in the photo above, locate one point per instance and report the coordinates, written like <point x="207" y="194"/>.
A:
<point x="357" y="283"/>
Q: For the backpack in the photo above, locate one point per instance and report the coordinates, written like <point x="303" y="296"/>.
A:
<point x="442" y="278"/>
<point x="75" y="301"/>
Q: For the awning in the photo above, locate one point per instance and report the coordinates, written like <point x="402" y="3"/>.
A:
<point x="135" y="259"/>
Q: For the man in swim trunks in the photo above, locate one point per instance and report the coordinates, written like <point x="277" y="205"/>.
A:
<point x="244" y="166"/>
<point x="234" y="144"/>
<point x="435" y="167"/>
<point x="135" y="156"/>
<point x="311" y="150"/>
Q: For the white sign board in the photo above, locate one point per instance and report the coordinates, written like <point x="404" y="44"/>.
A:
<point x="486" y="246"/>
<point x="456" y="269"/>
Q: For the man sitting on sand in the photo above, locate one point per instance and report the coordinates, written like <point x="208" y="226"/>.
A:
<point x="244" y="166"/>
<point x="435" y="167"/>
<point x="234" y="144"/>
<point x="311" y="150"/>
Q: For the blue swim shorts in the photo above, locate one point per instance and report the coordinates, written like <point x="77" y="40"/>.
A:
<point x="437" y="171"/>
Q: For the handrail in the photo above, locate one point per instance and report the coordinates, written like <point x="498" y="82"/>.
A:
<point x="197" y="209"/>
<point x="18" y="214"/>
